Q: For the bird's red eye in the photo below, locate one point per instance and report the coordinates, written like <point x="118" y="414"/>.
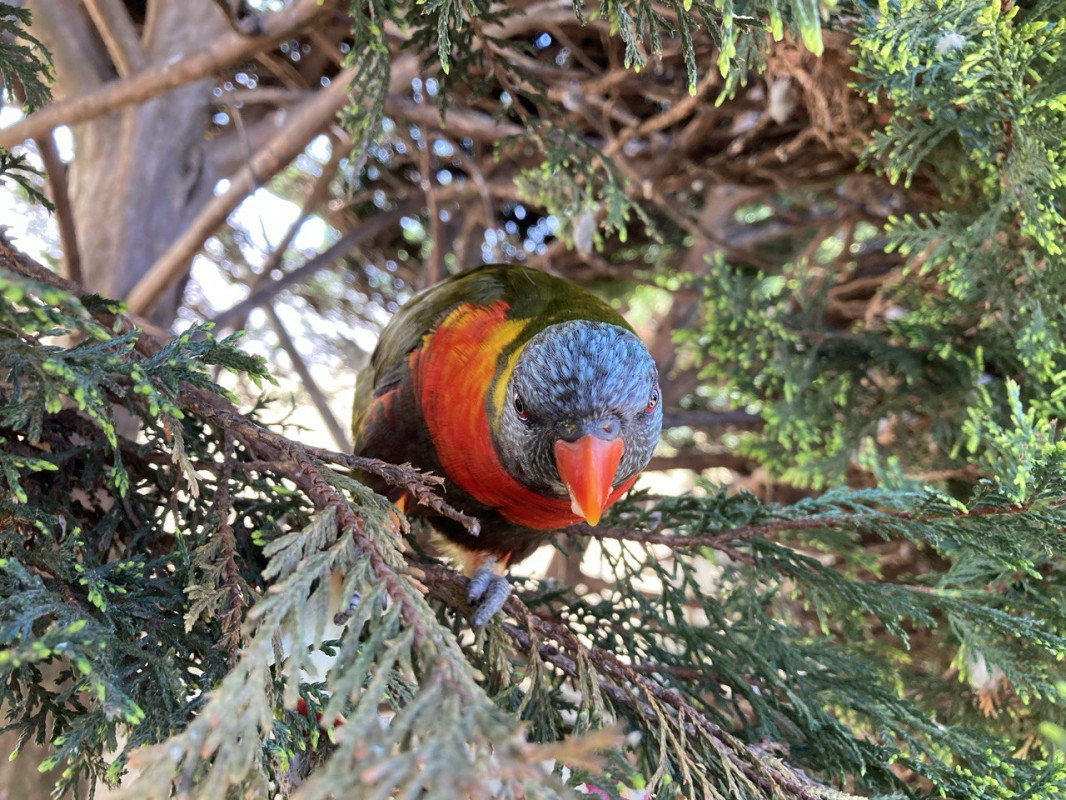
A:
<point x="520" y="408"/>
<point x="653" y="400"/>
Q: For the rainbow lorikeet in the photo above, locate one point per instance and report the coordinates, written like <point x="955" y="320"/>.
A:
<point x="532" y="398"/>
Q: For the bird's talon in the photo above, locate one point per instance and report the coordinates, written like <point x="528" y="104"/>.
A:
<point x="479" y="582"/>
<point x="493" y="596"/>
<point x="342" y="617"/>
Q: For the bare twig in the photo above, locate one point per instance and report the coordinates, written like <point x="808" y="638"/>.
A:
<point x="233" y="614"/>
<point x="456" y="122"/>
<point x="701" y="461"/>
<point x="154" y="81"/>
<point x="673" y="115"/>
<point x="423" y="486"/>
<point x="113" y="22"/>
<point x="308" y="380"/>
<point x="247" y="24"/>
<point x="741" y="420"/>
<point x="353" y="238"/>
<point x="435" y="266"/>
<point x="315" y="197"/>
<point x="64" y="214"/>
<point x="718" y="538"/>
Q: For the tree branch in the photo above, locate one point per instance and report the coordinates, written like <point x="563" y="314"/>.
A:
<point x="702" y="461"/>
<point x="353" y="238"/>
<point x="456" y="122"/>
<point x="113" y="22"/>
<point x="317" y="195"/>
<point x="64" y="214"/>
<point x="225" y="51"/>
<point x="435" y="267"/>
<point x="623" y="684"/>
<point x="308" y="380"/>
<point x="698" y="418"/>
<point x="303" y="123"/>
<point x="81" y="61"/>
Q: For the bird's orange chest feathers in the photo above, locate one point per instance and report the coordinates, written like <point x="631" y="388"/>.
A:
<point x="460" y="375"/>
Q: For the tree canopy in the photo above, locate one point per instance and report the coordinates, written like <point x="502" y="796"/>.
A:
<point x="838" y="226"/>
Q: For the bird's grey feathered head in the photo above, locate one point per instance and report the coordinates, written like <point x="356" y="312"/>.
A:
<point x="572" y="380"/>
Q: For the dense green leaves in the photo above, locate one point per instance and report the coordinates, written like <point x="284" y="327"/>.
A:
<point x="971" y="94"/>
<point x="24" y="62"/>
<point x="859" y="690"/>
<point x="87" y="559"/>
<point x="25" y="70"/>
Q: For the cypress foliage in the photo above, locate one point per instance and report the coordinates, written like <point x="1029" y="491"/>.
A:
<point x="170" y="569"/>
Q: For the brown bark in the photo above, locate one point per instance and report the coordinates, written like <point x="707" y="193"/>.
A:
<point x="138" y="177"/>
<point x="155" y="282"/>
<point x="204" y="59"/>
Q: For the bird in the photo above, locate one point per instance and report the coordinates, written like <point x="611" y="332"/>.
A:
<point x="533" y="399"/>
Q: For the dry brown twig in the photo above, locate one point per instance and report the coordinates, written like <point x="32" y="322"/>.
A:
<point x="154" y="81"/>
<point x="112" y="21"/>
<point x="233" y="615"/>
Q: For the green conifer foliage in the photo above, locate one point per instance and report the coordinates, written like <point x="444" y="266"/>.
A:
<point x="971" y="98"/>
<point x="24" y="62"/>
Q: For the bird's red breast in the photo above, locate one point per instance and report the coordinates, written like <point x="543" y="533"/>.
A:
<point x="459" y="375"/>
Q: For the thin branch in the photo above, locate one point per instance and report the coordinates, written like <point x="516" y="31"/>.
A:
<point x="240" y="18"/>
<point x="458" y="123"/>
<point x="233" y="614"/>
<point x="303" y="123"/>
<point x="422" y="486"/>
<point x="64" y="213"/>
<point x="435" y="267"/>
<point x="267" y="95"/>
<point x="353" y="238"/>
<point x="717" y="538"/>
<point x="229" y="49"/>
<point x="673" y="115"/>
<point x="698" y="418"/>
<point x="702" y="461"/>
<point x="308" y="477"/>
<point x="112" y="21"/>
<point x="17" y="262"/>
<point x="277" y="449"/>
<point x="720" y="204"/>
<point x="270" y="445"/>
<point x="308" y="380"/>
<point x="623" y="684"/>
<point x="317" y="195"/>
<point x="857" y="523"/>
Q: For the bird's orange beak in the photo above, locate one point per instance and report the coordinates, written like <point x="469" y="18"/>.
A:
<point x="587" y="468"/>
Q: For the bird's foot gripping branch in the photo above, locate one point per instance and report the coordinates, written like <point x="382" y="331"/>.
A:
<point x="488" y="589"/>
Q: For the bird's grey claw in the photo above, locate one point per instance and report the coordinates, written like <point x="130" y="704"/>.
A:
<point x="479" y="582"/>
<point x="489" y="592"/>
<point x="342" y="617"/>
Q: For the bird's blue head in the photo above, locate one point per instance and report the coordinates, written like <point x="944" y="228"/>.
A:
<point x="582" y="413"/>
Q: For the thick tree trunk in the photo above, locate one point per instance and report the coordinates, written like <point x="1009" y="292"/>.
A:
<point x="141" y="174"/>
